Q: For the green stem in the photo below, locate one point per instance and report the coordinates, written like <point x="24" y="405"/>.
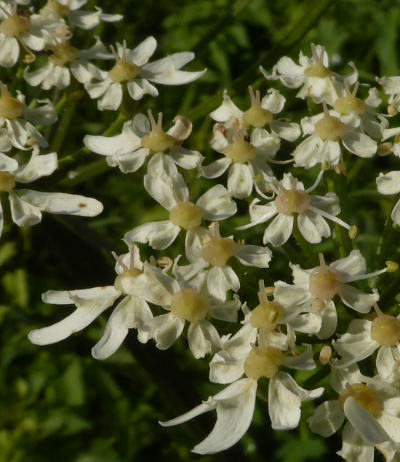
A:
<point x="62" y="128"/>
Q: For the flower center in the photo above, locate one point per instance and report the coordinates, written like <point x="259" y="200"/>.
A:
<point x="240" y="151"/>
<point x="291" y="201"/>
<point x="124" y="71"/>
<point x="256" y="116"/>
<point x="218" y="250"/>
<point x="386" y="330"/>
<point x="14" y="26"/>
<point x="10" y="108"/>
<point x="330" y="128"/>
<point x="189" y="305"/>
<point x="186" y="215"/>
<point x="267" y="315"/>
<point x="325" y="282"/>
<point x="365" y="396"/>
<point x="318" y="70"/>
<point x="63" y="53"/>
<point x="61" y="10"/>
<point x="348" y="104"/>
<point x="122" y="281"/>
<point x="263" y="362"/>
<point x="157" y="140"/>
<point x="7" y="182"/>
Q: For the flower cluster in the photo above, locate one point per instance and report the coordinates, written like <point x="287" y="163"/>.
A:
<point x="244" y="178"/>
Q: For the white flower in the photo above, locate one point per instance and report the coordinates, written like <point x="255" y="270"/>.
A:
<point x="70" y="10"/>
<point x="292" y="203"/>
<point x="137" y="282"/>
<point x="235" y="404"/>
<point x="312" y="75"/>
<point x="167" y="186"/>
<point x="17" y="118"/>
<point x="326" y="131"/>
<point x="141" y="137"/>
<point x="371" y="408"/>
<point x="207" y="247"/>
<point x="263" y="321"/>
<point x="364" y="337"/>
<point x="387" y="184"/>
<point x="318" y="287"/>
<point x="391" y="86"/>
<point x="32" y="31"/>
<point x="348" y="104"/>
<point x="247" y="161"/>
<point x="133" y="69"/>
<point x="27" y="205"/>
<point x="64" y="60"/>
<point x="260" y="113"/>
<point x="190" y="300"/>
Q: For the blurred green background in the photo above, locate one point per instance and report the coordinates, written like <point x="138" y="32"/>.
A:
<point x="57" y="403"/>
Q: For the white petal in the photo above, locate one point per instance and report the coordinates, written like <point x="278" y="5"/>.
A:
<point x="355" y="448"/>
<point x="395" y="215"/>
<point x="329" y="320"/>
<point x="360" y="144"/>
<point x="87" y="310"/>
<point x="23" y="213"/>
<point x="227" y="110"/>
<point x="127" y="141"/>
<point x="140" y="87"/>
<point x="131" y="312"/>
<point x="217" y="204"/>
<point x="112" y="98"/>
<point x="358" y="300"/>
<point x="68" y="297"/>
<point x="386" y="363"/>
<point x="308" y="227"/>
<point x="364" y="422"/>
<point x="166" y="329"/>
<point x="68" y="204"/>
<point x="327" y="418"/>
<point x="215" y="169"/>
<point x="185" y="158"/>
<point x="194" y="244"/>
<point x="288" y="295"/>
<point x="7" y="164"/>
<point x="391" y="425"/>
<point x="37" y="167"/>
<point x="225" y="310"/>
<point x="234" y="415"/>
<point x="9" y="51"/>
<point x="164" y="183"/>
<point x="308" y="152"/>
<point x="273" y="101"/>
<point x="254" y="255"/>
<point x="240" y="181"/>
<point x="129" y="162"/>
<point x="283" y="405"/>
<point x="351" y="266"/>
<point x="389" y="183"/>
<point x="203" y="338"/>
<point x="356" y="344"/>
<point x="143" y="52"/>
<point x="279" y="230"/>
<point x="289" y="131"/>
<point x="220" y="280"/>
<point x="159" y="234"/>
